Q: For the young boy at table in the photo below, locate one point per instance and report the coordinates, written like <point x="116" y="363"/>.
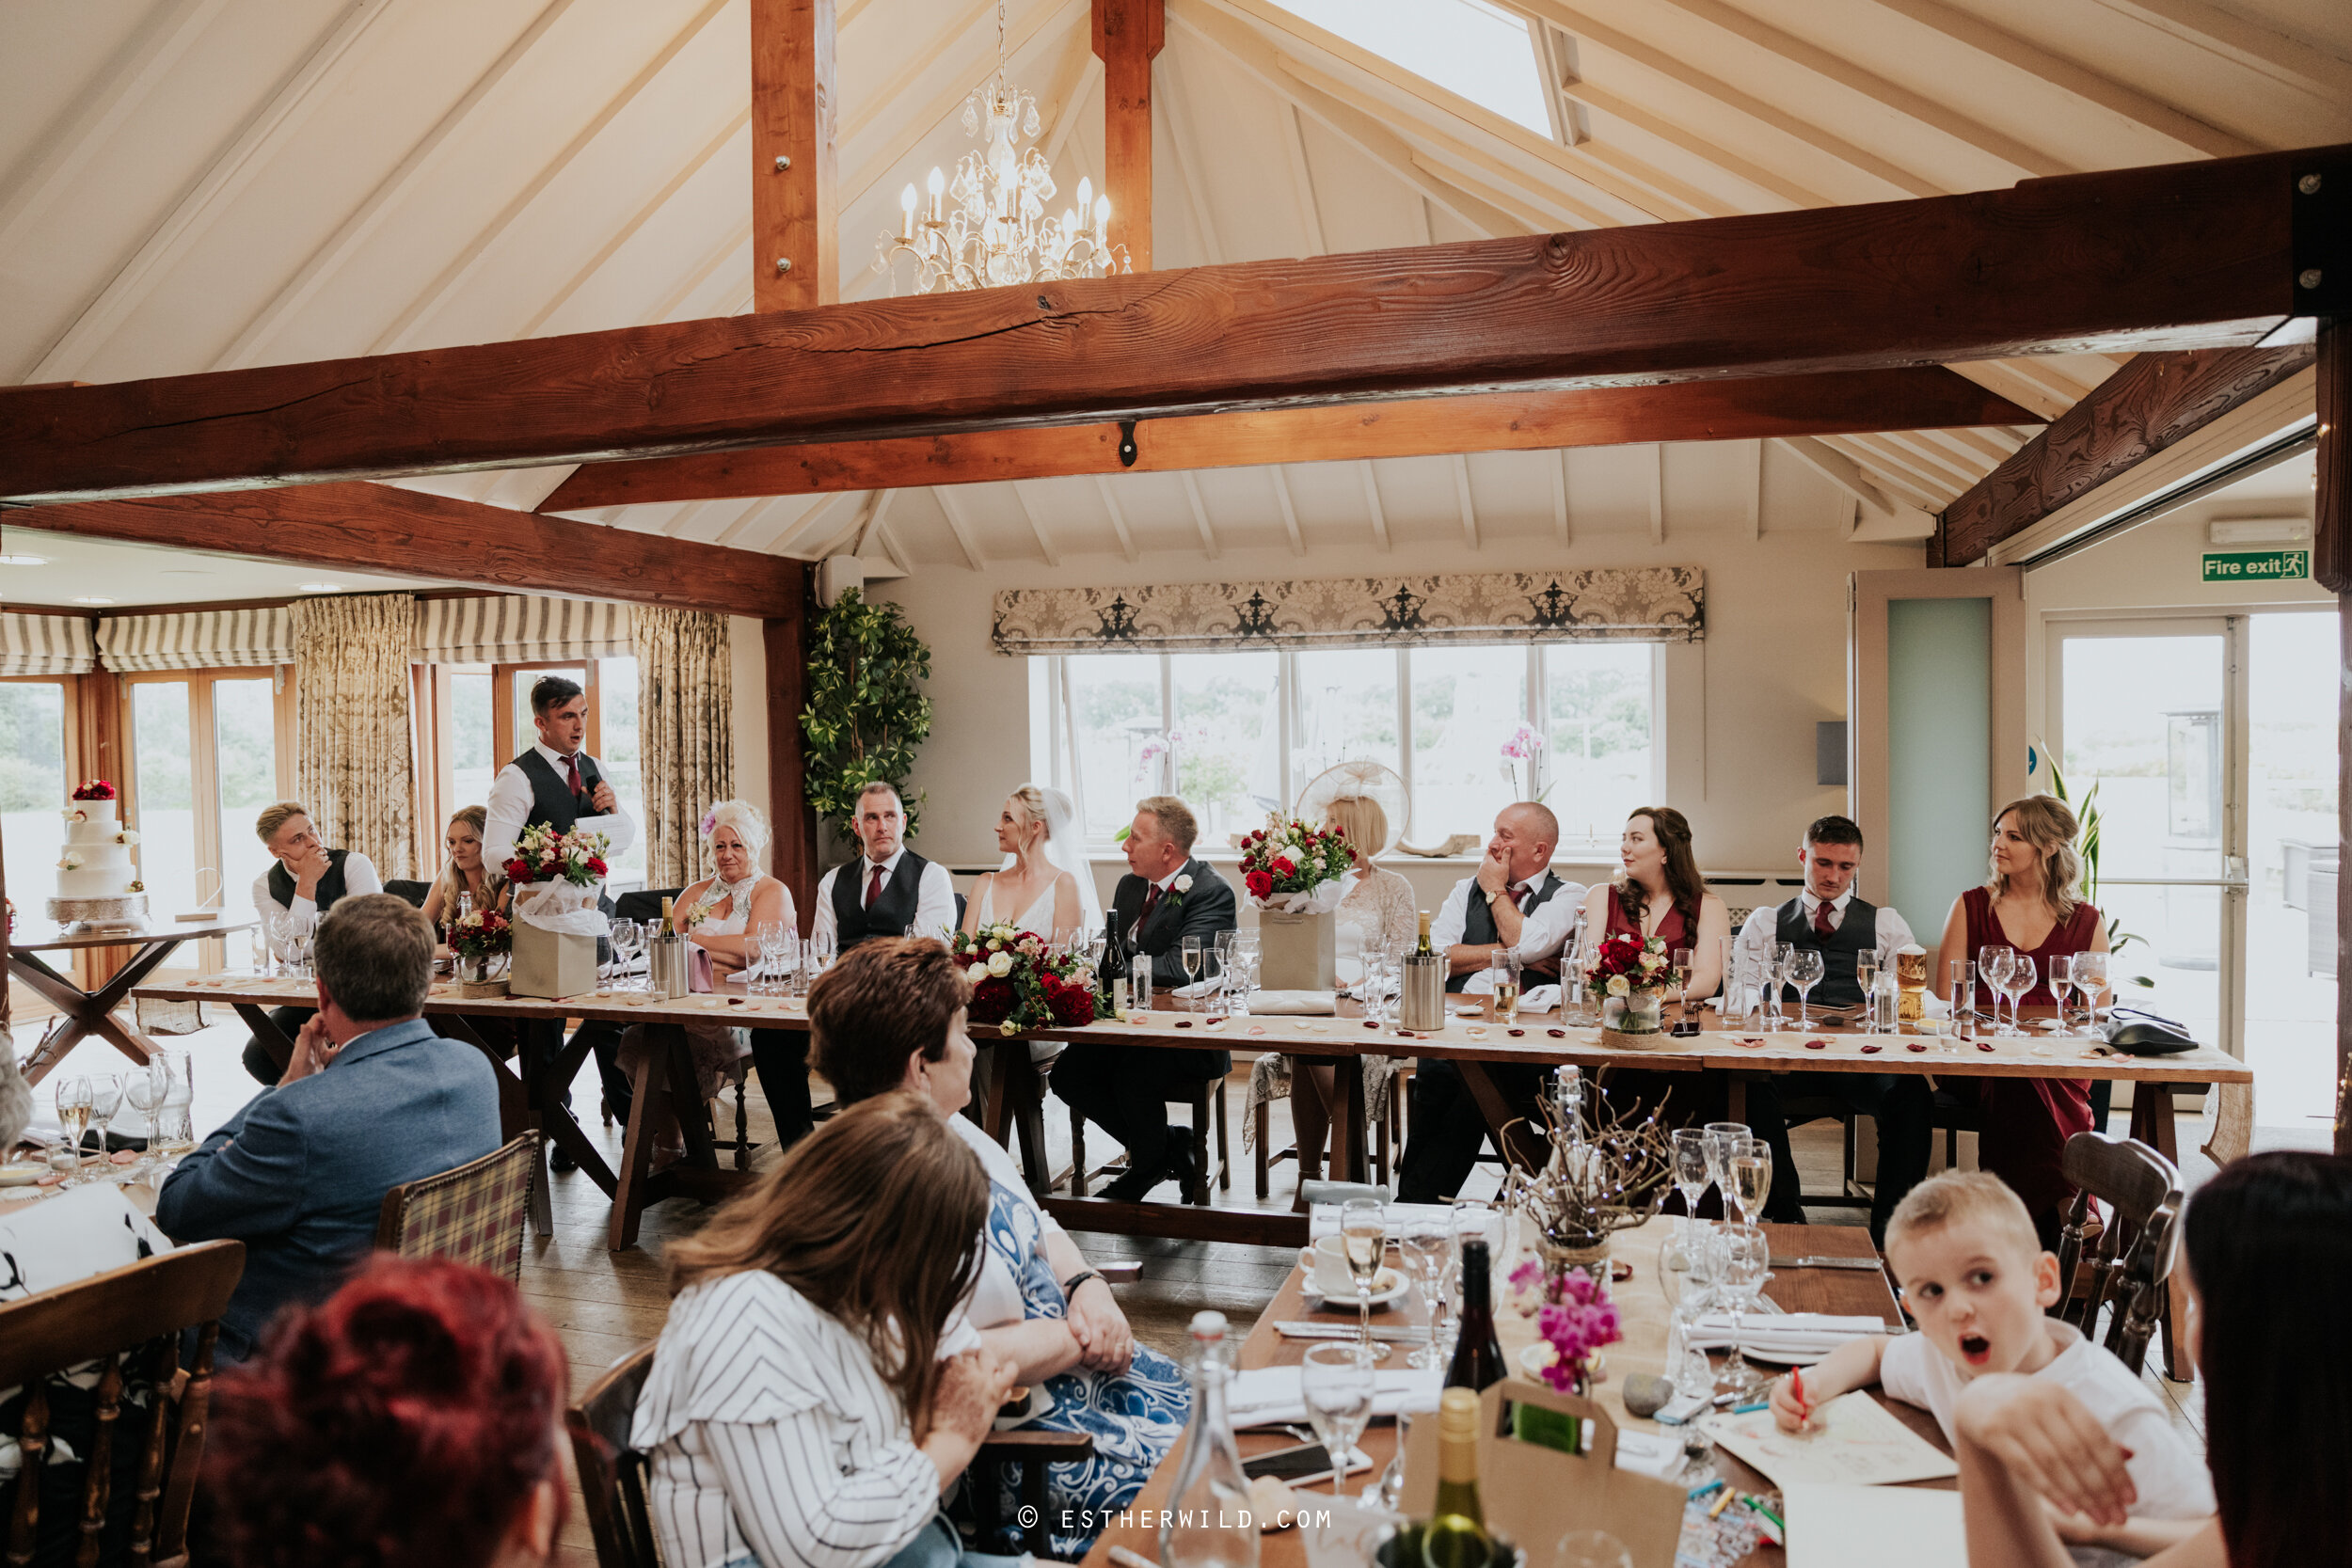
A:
<point x="1974" y="1275"/>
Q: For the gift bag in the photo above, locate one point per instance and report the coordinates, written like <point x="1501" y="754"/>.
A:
<point x="556" y="928"/>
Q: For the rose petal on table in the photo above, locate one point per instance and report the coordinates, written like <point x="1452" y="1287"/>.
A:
<point x="1557" y="1033"/>
<point x="125" y="1156"/>
<point x="1984" y="1045"/>
<point x="1752" y="1042"/>
<point x="1515" y="1034"/>
<point x="1817" y="1045"/>
<point x="1914" y="1045"/>
<point x="1872" y="1049"/>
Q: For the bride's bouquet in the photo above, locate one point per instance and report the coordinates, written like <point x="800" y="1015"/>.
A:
<point x="1295" y="870"/>
<point x="1018" y="982"/>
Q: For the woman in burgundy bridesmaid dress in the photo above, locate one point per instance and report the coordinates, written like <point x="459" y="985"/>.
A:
<point x="2028" y="905"/>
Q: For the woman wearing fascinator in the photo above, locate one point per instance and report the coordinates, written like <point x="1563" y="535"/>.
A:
<point x="1045" y="884"/>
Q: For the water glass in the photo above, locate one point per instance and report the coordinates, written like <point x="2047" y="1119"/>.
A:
<point x="1336" y="1381"/>
<point x="1959" y="979"/>
<point x="1139" y="983"/>
<point x="1776" y="977"/>
<point x="1746" y="1259"/>
<point x="1423" y="1245"/>
<point x="172" y="1088"/>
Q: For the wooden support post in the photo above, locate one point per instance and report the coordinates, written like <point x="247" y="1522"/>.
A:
<point x="796" y="250"/>
<point x="794" y="862"/>
<point x="1127" y="34"/>
<point x="2331" y="564"/>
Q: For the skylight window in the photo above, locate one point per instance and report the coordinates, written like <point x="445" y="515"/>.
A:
<point x="1469" y="47"/>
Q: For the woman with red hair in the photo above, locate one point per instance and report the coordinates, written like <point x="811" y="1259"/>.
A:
<point x="412" y="1417"/>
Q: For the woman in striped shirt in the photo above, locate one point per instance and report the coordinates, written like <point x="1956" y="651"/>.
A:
<point x="802" y="1411"/>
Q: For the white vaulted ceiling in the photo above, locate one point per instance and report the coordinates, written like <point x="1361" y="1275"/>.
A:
<point x="198" y="184"/>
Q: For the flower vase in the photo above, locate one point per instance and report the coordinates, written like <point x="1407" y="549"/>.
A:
<point x="476" y="976"/>
<point x="472" y="969"/>
<point x="1589" y="1254"/>
<point x="1634" y="1022"/>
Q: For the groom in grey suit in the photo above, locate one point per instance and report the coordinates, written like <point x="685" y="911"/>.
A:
<point x="372" y="1098"/>
<point x="1166" y="896"/>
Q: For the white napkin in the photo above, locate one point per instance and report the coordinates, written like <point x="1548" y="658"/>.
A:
<point x="1532" y="999"/>
<point x="1270" y="1396"/>
<point x="1199" y="988"/>
<point x="1807" y="1334"/>
<point x="1320" y="1004"/>
<point x="1323" y="1219"/>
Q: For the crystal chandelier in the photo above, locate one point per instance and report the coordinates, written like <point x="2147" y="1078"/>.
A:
<point x="997" y="232"/>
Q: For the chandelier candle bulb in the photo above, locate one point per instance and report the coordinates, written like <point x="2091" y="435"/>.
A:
<point x="906" y="211"/>
<point x="938" y="186"/>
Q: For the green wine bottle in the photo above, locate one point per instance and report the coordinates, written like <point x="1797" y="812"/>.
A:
<point x="1455" y="1536"/>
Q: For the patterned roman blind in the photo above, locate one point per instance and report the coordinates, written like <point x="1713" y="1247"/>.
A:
<point x="1645" y="603"/>
<point x="197" y="639"/>
<point x="46" y="645"/>
<point x="520" y="628"/>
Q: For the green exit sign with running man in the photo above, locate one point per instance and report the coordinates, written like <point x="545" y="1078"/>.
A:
<point x="2256" y="565"/>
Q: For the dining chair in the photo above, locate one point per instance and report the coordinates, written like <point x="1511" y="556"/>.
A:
<point x="612" y="1473"/>
<point x="128" y="1321"/>
<point x="1206" y="1096"/>
<point x="2134" y="1253"/>
<point x="473" y="1215"/>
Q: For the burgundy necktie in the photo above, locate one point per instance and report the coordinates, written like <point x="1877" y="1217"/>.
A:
<point x="1518" y="893"/>
<point x="1823" y="920"/>
<point x="873" y="887"/>
<point x="1151" y="898"/>
<point x="571" y="767"/>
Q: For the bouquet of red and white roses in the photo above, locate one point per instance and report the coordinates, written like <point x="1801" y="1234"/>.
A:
<point x="94" y="789"/>
<point x="1290" y="867"/>
<point x="480" y="934"/>
<point x="543" y="854"/>
<point x="1018" y="982"/>
<point x="1624" y="963"/>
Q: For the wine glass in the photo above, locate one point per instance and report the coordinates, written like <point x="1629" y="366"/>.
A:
<point x="1194" y="955"/>
<point x="1751" y="1177"/>
<point x="627" y="937"/>
<point x="1688" y="1146"/>
<point x="105" y="1104"/>
<point x="1336" y="1381"/>
<point x="1423" y="1245"/>
<point x="277" y="925"/>
<point x="2090" y="978"/>
<point x="1364" y="1234"/>
<point x="73" y="1108"/>
<point x="1866" y="976"/>
<point x="2062" y="980"/>
<point x="142" y="1094"/>
<point x="823" y="948"/>
<point x="1720" y="1138"/>
<point x="1992" y="968"/>
<point x="1806" y="970"/>
<point x="1746" y="1257"/>
<point x="2016" y="983"/>
<point x="1590" y="1548"/>
<point x="1776" y="975"/>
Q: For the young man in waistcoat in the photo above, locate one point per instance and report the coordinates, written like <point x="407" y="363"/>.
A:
<point x="558" y="783"/>
<point x="305" y="881"/>
<point x="1831" y="917"/>
<point x="889" y="890"/>
<point x="1515" y="901"/>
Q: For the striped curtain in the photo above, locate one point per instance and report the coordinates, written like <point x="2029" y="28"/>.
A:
<point x="518" y="628"/>
<point x="685" y="733"/>
<point x="46" y="645"/>
<point x="198" y="640"/>
<point x="353" y="766"/>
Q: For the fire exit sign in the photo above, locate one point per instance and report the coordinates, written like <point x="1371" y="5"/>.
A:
<point x="2256" y="565"/>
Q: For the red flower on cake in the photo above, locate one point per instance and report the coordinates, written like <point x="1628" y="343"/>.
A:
<point x="95" y="789"/>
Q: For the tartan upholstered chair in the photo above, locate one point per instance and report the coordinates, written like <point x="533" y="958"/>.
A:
<point x="473" y="1214"/>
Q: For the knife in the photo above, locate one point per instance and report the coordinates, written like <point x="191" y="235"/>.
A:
<point x="1303" y="1330"/>
<point x="1870" y="1263"/>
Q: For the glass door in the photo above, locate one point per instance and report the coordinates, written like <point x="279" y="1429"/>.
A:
<point x="2293" y="847"/>
<point x="2151" y="718"/>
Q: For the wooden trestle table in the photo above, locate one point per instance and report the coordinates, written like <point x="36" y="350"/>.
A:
<point x="90" y="1012"/>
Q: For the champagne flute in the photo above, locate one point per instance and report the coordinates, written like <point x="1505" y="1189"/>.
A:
<point x="1423" y="1245"/>
<point x="1337" y="1383"/>
<point x="1806" y="970"/>
<point x="2017" y="982"/>
<point x="1689" y="1148"/>
<point x="1721" y="1137"/>
<point x="1751" y="1177"/>
<point x="1778" y="977"/>
<point x="1364" y="1234"/>
<point x="1745" y="1258"/>
<point x="1194" y="955"/>
<point x="2062" y="980"/>
<point x="73" y="1109"/>
<point x="1866" y="976"/>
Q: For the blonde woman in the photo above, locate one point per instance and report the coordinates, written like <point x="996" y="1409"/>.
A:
<point x="464" y="872"/>
<point x="1032" y="890"/>
<point x="2028" y="904"/>
<point x="1379" y="913"/>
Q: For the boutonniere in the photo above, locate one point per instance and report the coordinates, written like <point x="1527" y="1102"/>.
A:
<point x="1182" y="885"/>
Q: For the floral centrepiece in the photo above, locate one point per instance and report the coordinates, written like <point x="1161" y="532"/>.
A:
<point x="1573" y="1315"/>
<point x="1630" y="974"/>
<point x="94" y="789"/>
<point x="1018" y="982"/>
<point x="1295" y="870"/>
<point x="480" y="934"/>
<point x="543" y="854"/>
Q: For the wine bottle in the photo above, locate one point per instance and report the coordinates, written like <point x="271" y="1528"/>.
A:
<point x="1477" y="1355"/>
<point x="1423" y="950"/>
<point x="1455" y="1536"/>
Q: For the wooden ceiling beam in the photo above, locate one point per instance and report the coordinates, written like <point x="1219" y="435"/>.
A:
<point x="381" y="528"/>
<point x="2170" y="257"/>
<point x="1915" y="398"/>
<point x="1128" y="34"/>
<point x="2138" y="411"/>
<point x="796" y="241"/>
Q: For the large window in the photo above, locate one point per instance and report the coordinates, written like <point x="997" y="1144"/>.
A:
<point x="1241" y="734"/>
<point x="205" y="758"/>
<point x="33" y="786"/>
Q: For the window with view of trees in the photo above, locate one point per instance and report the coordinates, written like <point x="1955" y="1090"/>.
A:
<point x="33" y="783"/>
<point x="1241" y="734"/>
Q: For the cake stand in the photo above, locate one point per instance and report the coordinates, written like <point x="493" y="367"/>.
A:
<point x="125" y="911"/>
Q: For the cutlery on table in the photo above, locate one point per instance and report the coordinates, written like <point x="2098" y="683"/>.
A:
<point x="1870" y="1263"/>
<point x="1303" y="1330"/>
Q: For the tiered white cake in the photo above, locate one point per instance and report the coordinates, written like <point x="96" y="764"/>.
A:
<point x="96" y="882"/>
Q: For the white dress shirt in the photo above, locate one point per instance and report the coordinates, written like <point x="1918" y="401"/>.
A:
<point x="509" y="809"/>
<point x="360" y="875"/>
<point x="1545" y="932"/>
<point x="934" y="897"/>
<point x="1751" y="956"/>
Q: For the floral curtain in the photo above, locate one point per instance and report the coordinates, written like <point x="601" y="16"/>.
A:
<point x="685" y="733"/>
<point x="353" y="766"/>
<point x="1634" y="602"/>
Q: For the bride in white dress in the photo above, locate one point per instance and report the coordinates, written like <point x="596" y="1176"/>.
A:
<point x="1044" y="884"/>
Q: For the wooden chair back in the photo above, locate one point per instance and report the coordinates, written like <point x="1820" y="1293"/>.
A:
<point x="128" y="1317"/>
<point x="2135" y="1251"/>
<point x="612" y="1474"/>
<point x="474" y="1215"/>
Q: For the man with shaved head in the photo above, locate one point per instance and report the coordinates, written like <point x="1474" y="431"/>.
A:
<point x="1514" y="902"/>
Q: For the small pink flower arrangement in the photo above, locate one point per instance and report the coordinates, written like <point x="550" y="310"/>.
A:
<point x="1575" y="1318"/>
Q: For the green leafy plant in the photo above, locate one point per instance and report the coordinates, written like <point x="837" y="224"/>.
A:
<point x="2088" y="821"/>
<point x="865" y="714"/>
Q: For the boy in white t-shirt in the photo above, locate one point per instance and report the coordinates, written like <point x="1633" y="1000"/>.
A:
<point x="1974" y="1275"/>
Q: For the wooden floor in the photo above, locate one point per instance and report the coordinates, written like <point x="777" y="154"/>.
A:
<point x="606" y="1304"/>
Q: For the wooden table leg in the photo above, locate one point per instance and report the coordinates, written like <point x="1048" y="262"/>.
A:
<point x="273" y="1039"/>
<point x="1347" y="1125"/>
<point x="2152" y="1124"/>
<point x="89" y="1012"/>
<point x="664" y="1079"/>
<point x="516" y="1115"/>
<point x="628" y="1190"/>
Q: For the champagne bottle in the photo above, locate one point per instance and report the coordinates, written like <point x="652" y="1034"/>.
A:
<point x="1477" y="1355"/>
<point x="1425" y="950"/>
<point x="1455" y="1536"/>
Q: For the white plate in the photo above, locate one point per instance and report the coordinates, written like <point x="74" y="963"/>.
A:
<point x="1390" y="1284"/>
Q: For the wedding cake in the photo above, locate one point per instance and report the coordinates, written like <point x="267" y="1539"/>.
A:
<point x="97" y="885"/>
